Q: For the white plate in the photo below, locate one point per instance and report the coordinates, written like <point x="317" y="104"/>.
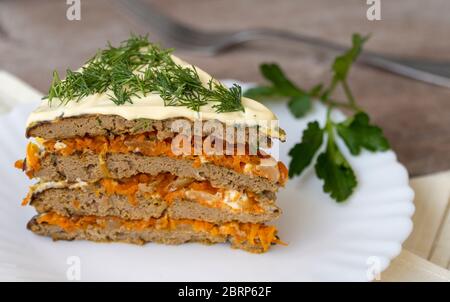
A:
<point x="327" y="241"/>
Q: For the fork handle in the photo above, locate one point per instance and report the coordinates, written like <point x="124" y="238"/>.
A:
<point x="426" y="71"/>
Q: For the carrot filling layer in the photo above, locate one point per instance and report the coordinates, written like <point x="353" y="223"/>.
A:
<point x="170" y="187"/>
<point x="33" y="161"/>
<point x="167" y="187"/>
<point x="254" y="234"/>
<point x="261" y="164"/>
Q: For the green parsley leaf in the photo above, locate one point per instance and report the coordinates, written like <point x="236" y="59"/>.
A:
<point x="261" y="92"/>
<point x="358" y="133"/>
<point x="331" y="166"/>
<point x="342" y="63"/>
<point x="303" y="153"/>
<point x="337" y="174"/>
<point x="281" y="83"/>
<point x="300" y="105"/>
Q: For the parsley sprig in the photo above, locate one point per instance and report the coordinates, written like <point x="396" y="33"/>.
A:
<point x="339" y="179"/>
<point x="137" y="68"/>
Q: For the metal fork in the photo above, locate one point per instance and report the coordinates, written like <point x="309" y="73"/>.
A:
<point x="183" y="36"/>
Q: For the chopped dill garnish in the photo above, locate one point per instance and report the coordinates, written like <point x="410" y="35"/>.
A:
<point x="137" y="68"/>
<point x="227" y="99"/>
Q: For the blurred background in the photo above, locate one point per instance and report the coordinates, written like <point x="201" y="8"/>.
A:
<point x="36" y="37"/>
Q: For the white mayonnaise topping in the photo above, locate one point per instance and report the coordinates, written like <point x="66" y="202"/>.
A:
<point x="234" y="199"/>
<point x="59" y="145"/>
<point x="42" y="186"/>
<point x="152" y="106"/>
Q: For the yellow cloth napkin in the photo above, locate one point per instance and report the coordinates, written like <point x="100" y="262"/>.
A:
<point x="426" y="255"/>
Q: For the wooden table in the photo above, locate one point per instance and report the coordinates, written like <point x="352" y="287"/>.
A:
<point x="36" y="37"/>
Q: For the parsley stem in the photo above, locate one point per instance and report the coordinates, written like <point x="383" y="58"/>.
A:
<point x="325" y="97"/>
<point x="332" y="87"/>
<point x="338" y="104"/>
<point x="329" y="128"/>
<point x="329" y="122"/>
<point x="349" y="95"/>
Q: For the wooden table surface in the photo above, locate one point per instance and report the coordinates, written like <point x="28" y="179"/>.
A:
<point x="36" y="38"/>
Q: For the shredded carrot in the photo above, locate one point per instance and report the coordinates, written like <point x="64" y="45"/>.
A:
<point x="32" y="163"/>
<point x="163" y="189"/>
<point x="128" y="189"/>
<point x="203" y="186"/>
<point x="27" y="199"/>
<point x="257" y="235"/>
<point x="283" y="173"/>
<point x="19" y="164"/>
<point x="146" y="144"/>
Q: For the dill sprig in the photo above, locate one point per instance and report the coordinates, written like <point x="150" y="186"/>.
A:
<point x="227" y="99"/>
<point x="136" y="68"/>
